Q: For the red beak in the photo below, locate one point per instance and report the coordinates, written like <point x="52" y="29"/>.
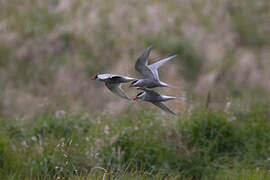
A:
<point x="135" y="98"/>
<point x="93" y="78"/>
<point x="131" y="85"/>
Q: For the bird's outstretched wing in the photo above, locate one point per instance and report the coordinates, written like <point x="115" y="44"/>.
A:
<point x="154" y="67"/>
<point x="142" y="64"/>
<point x="163" y="107"/>
<point x="116" y="89"/>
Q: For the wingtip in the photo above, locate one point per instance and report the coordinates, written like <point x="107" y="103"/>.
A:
<point x="173" y="113"/>
<point x="150" y="47"/>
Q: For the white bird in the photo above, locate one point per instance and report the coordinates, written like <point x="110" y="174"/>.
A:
<point x="113" y="83"/>
<point x="150" y="77"/>
<point x="154" y="98"/>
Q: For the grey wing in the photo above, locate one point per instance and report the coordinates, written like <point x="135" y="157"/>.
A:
<point x="154" y="67"/>
<point x="116" y="89"/>
<point x="163" y="107"/>
<point x="141" y="64"/>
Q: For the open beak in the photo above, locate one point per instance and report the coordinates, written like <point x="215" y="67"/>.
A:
<point x="135" y="98"/>
<point x="93" y="78"/>
<point x="131" y="85"/>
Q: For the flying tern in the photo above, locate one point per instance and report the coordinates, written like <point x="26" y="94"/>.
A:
<point x="154" y="98"/>
<point x="150" y="77"/>
<point x="113" y="83"/>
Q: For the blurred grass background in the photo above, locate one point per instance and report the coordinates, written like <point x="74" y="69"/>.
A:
<point x="49" y="107"/>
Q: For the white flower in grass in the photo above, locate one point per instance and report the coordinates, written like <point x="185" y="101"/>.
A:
<point x="106" y="129"/>
<point x="60" y="113"/>
<point x="34" y="138"/>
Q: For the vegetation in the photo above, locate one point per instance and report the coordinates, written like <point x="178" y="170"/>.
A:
<point x="199" y="144"/>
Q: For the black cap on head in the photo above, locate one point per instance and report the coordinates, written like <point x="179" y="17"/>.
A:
<point x="139" y="94"/>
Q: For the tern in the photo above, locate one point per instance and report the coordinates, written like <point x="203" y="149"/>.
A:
<point x="113" y="83"/>
<point x="154" y="98"/>
<point x="150" y="77"/>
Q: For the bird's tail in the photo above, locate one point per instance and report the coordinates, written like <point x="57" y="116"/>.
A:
<point x="167" y="98"/>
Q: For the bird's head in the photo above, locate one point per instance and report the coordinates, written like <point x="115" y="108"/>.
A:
<point x="139" y="96"/>
<point x="94" y="77"/>
<point x="135" y="83"/>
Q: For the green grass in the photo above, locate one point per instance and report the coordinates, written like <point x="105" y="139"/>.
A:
<point x="202" y="145"/>
<point x="247" y="174"/>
